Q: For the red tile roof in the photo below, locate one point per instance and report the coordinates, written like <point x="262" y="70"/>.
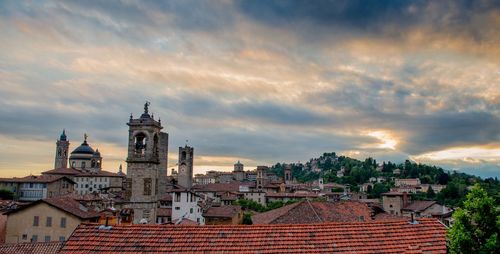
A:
<point x="417" y="206"/>
<point x="227" y="211"/>
<point x="428" y="236"/>
<point x="65" y="203"/>
<point x="31" y="248"/>
<point x="315" y="212"/>
<point x="36" y="179"/>
<point x="218" y="187"/>
<point x="71" y="206"/>
<point x="290" y="195"/>
<point x="76" y="172"/>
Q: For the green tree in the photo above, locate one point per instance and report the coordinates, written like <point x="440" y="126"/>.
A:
<point x="477" y="225"/>
<point x="6" y="195"/>
<point x="430" y="193"/>
<point x="247" y="219"/>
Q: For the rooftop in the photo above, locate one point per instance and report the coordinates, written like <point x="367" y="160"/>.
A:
<point x="315" y="212"/>
<point x="30" y="248"/>
<point x="428" y="235"/>
<point x="35" y="179"/>
<point x="65" y="203"/>
<point x="417" y="206"/>
<point x="227" y="211"/>
<point x="76" y="172"/>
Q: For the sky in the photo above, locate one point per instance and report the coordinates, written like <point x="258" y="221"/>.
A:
<point x="257" y="81"/>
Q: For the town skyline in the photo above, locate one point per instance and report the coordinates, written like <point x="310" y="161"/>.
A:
<point x="252" y="82"/>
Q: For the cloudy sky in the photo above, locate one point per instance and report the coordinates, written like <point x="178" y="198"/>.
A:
<point x="259" y="81"/>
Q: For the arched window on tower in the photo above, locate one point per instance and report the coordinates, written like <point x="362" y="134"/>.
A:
<point x="93" y="164"/>
<point x="59" y="152"/>
<point x="183" y="155"/>
<point x="140" y="144"/>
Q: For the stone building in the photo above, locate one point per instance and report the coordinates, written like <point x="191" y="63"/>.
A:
<point x="46" y="220"/>
<point x="146" y="166"/>
<point x="393" y="202"/>
<point x="238" y="172"/>
<point x="185" y="175"/>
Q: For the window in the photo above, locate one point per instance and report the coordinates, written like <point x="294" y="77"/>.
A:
<point x="47" y="238"/>
<point x="25" y="237"/>
<point x="147" y="186"/>
<point x="63" y="222"/>
<point x="83" y="164"/>
<point x="61" y="238"/>
<point x="34" y="238"/>
<point x="191" y="210"/>
<point x="177" y="208"/>
<point x="35" y="221"/>
<point x="177" y="197"/>
<point x="49" y="222"/>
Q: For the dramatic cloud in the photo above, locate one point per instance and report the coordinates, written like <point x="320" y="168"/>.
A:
<point x="259" y="81"/>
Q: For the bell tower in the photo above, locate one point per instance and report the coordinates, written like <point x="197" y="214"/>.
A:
<point x="146" y="165"/>
<point x="185" y="175"/>
<point x="62" y="147"/>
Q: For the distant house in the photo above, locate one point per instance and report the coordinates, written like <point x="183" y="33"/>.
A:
<point x="406" y="182"/>
<point x="33" y="188"/>
<point x="228" y="214"/>
<point x="46" y="220"/>
<point x="427" y="209"/>
<point x="426" y="236"/>
<point x="315" y="212"/>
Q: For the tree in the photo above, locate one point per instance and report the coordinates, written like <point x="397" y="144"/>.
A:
<point x="6" y="195"/>
<point x="430" y="193"/>
<point x="247" y="219"/>
<point x="477" y="225"/>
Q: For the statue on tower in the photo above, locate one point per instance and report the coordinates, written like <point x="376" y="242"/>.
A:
<point x="146" y="105"/>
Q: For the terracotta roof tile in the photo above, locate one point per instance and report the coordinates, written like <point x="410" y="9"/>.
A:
<point x="72" y="206"/>
<point x="315" y="212"/>
<point x="76" y="172"/>
<point x="218" y="187"/>
<point x="418" y="206"/>
<point x="227" y="211"/>
<point x="427" y="236"/>
<point x="35" y="179"/>
<point x="31" y="248"/>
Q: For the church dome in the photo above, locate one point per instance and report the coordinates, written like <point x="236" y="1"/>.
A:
<point x="84" y="148"/>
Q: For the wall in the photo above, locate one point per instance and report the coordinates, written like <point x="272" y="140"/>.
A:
<point x="182" y="207"/>
<point x="21" y="223"/>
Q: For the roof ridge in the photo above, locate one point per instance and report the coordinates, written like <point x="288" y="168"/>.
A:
<point x="315" y="213"/>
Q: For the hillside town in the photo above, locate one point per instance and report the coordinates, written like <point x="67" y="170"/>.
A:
<point x="57" y="210"/>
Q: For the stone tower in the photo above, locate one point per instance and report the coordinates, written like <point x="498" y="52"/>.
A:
<point x="288" y="174"/>
<point x="238" y="172"/>
<point x="146" y="165"/>
<point x="185" y="174"/>
<point x="261" y="179"/>
<point x="62" y="148"/>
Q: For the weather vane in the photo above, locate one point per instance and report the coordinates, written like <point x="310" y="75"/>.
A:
<point x="85" y="136"/>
